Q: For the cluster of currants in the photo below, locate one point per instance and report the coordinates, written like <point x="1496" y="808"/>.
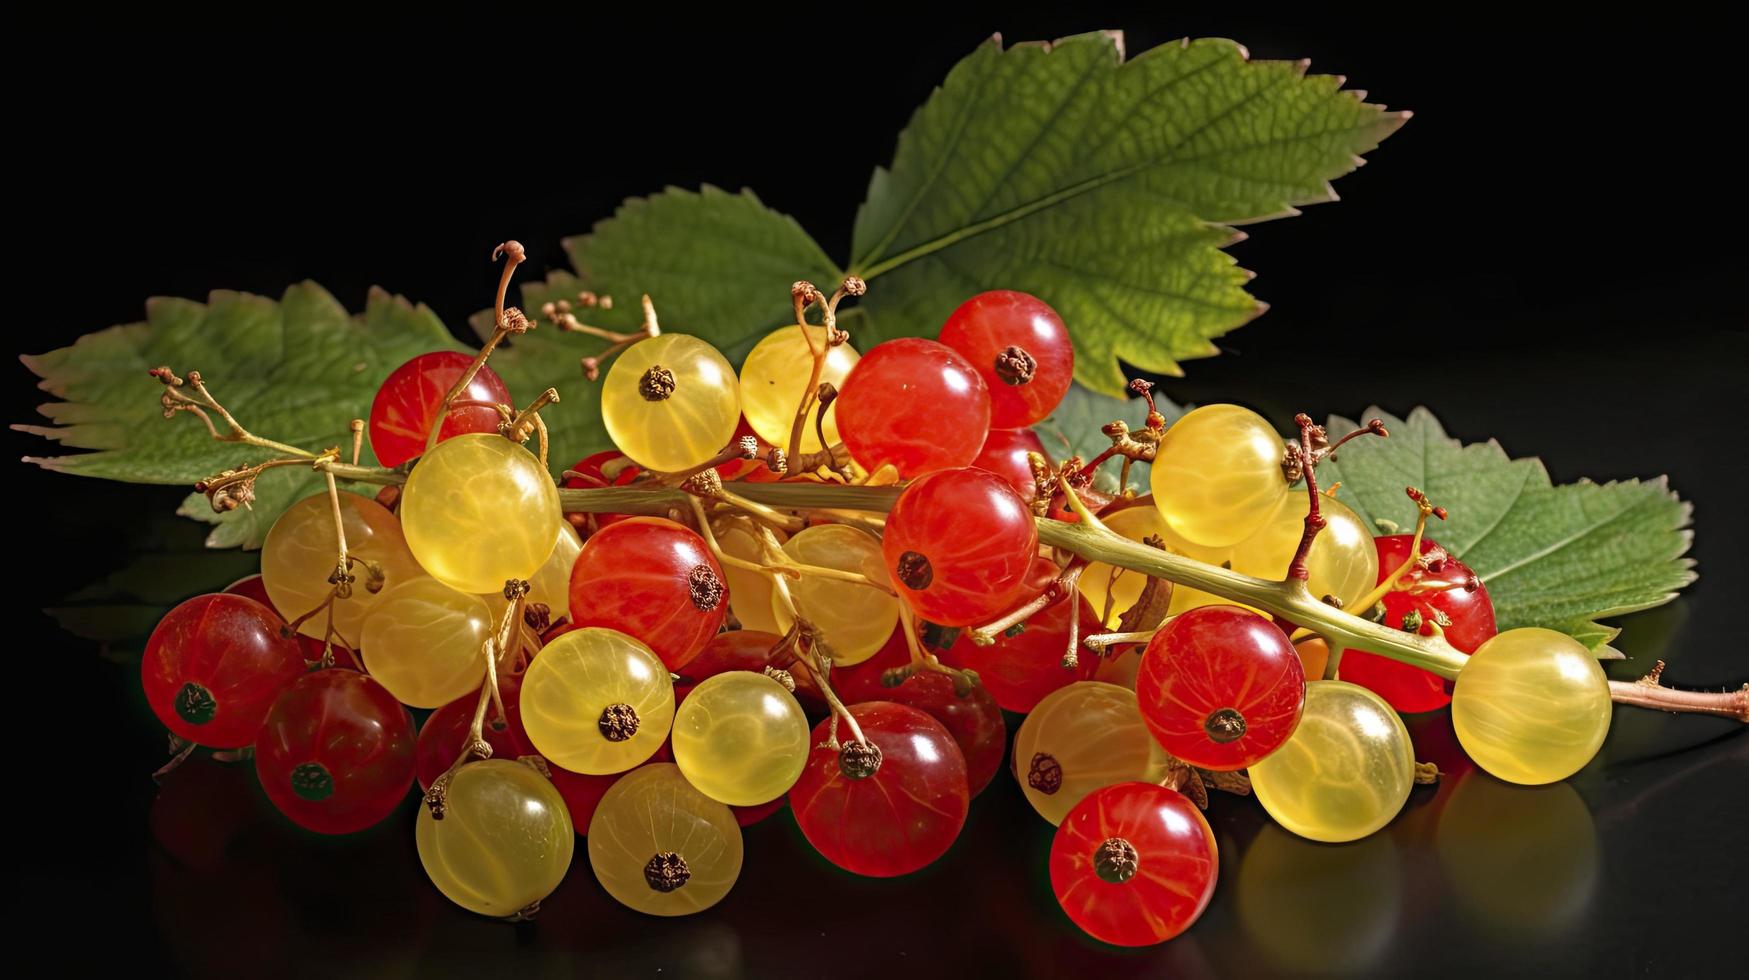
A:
<point x="650" y="683"/>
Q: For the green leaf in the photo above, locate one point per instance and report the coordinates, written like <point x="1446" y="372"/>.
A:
<point x="1104" y="187"/>
<point x="1554" y="556"/>
<point x="297" y="370"/>
<point x="1073" y="430"/>
<point x="718" y="265"/>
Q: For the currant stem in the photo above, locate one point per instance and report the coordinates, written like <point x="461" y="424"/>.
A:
<point x="342" y="566"/>
<point x="1100" y="642"/>
<point x="1058" y="590"/>
<point x="1297" y="568"/>
<point x="503" y="326"/>
<point x="1648" y="692"/>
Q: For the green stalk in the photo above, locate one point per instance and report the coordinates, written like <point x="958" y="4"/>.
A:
<point x="1288" y="599"/>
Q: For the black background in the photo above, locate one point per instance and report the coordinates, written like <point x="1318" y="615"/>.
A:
<point x="1550" y="253"/>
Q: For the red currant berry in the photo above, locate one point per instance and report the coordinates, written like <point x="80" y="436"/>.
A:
<point x="214" y="666"/>
<point x="1220" y="687"/>
<point x="1440" y="592"/>
<point x="958" y="545"/>
<point x="1004" y="454"/>
<point x="337" y="752"/>
<point x="915" y="404"/>
<point x="406" y="405"/>
<point x="888" y="807"/>
<point x="253" y="587"/>
<point x="1026" y="663"/>
<point x="974" y="719"/>
<point x="1134" y="864"/>
<point x="654" y="580"/>
<point x="1020" y="347"/>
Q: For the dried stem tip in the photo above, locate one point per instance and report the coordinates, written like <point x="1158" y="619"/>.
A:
<point x="618" y="722"/>
<point x="666" y="872"/>
<point x="859" y="760"/>
<point x="1116" y="860"/>
<point x="704" y="587"/>
<point x="1045" y="774"/>
<point x="656" y="384"/>
<point x="913" y="570"/>
<point x="1225" y="725"/>
<point x="1015" y="366"/>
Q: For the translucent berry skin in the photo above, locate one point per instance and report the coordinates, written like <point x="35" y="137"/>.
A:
<point x="1174" y="872"/>
<point x="1342" y="562"/>
<point x="574" y="680"/>
<point x="775" y="375"/>
<point x="854" y="620"/>
<point x="958" y="546"/>
<point x="299" y="555"/>
<point x="1020" y="670"/>
<point x="214" y="666"/>
<point x="406" y="404"/>
<point x="1217" y="475"/>
<point x="337" y="752"/>
<point x="1437" y="591"/>
<point x="749" y="592"/>
<point x="1081" y="739"/>
<point x="697" y="416"/>
<point x="654" y="811"/>
<point x="987" y="325"/>
<point x="1531" y="706"/>
<point x="478" y="511"/>
<point x="551" y="584"/>
<point x="252" y="587"/>
<point x="1346" y="771"/>
<point x="914" y="404"/>
<point x="1139" y="520"/>
<point x="974" y="719"/>
<point x="1004" y="454"/>
<point x="652" y="579"/>
<point x="505" y="840"/>
<point x="900" y="818"/>
<point x="445" y="732"/>
<point x="426" y="642"/>
<point x="1209" y="662"/>
<point x="740" y="738"/>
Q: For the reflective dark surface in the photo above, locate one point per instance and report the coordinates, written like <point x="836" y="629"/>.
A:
<point x="1549" y="254"/>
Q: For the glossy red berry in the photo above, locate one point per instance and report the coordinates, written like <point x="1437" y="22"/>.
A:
<point x="337" y="752"/>
<point x="406" y="405"/>
<point x="958" y="545"/>
<point x="1134" y="864"/>
<point x="1026" y="663"/>
<point x="974" y="719"/>
<point x="1441" y="593"/>
<point x="915" y="404"/>
<point x="889" y="810"/>
<point x="1004" y="454"/>
<point x="214" y="666"/>
<point x="1020" y="347"/>
<point x="653" y="580"/>
<point x="252" y="587"/>
<point x="1220" y="687"/>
